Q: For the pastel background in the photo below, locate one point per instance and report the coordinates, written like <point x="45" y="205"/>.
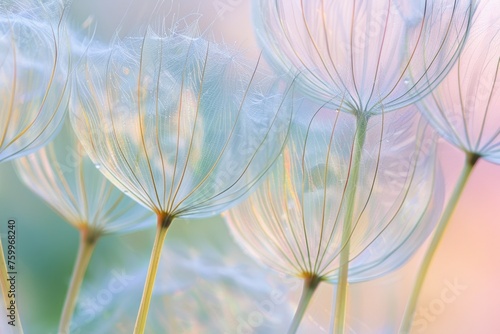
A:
<point x="468" y="256"/>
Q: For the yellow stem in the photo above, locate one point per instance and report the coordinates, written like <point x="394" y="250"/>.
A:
<point x="164" y="222"/>
<point x="88" y="240"/>
<point x="470" y="162"/>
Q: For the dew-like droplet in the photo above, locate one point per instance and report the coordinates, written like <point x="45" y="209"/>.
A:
<point x="98" y="166"/>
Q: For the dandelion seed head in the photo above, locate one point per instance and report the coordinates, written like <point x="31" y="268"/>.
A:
<point x="63" y="175"/>
<point x="189" y="127"/>
<point x="298" y="213"/>
<point x="465" y="107"/>
<point x="355" y="54"/>
<point x="34" y="60"/>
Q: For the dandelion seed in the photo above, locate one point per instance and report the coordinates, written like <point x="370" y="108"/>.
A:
<point x="76" y="190"/>
<point x="209" y="140"/>
<point x="390" y="219"/>
<point x="354" y="54"/>
<point x="33" y="78"/>
<point x="465" y="110"/>
<point x="34" y="73"/>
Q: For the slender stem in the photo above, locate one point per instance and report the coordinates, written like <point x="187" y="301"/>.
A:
<point x="88" y="240"/>
<point x="470" y="162"/>
<point x="342" y="284"/>
<point x="164" y="222"/>
<point x="310" y="285"/>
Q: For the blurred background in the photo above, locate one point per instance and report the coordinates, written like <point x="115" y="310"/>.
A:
<point x="465" y="264"/>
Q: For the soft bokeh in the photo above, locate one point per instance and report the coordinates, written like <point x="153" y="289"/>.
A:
<point x="46" y="251"/>
<point x="212" y="287"/>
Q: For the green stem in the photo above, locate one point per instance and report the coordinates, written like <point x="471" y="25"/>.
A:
<point x="342" y="284"/>
<point x="164" y="222"/>
<point x="310" y="285"/>
<point x="470" y="162"/>
<point x="88" y="240"/>
<point x="5" y="286"/>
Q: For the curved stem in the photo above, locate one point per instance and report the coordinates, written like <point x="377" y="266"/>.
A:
<point x="88" y="240"/>
<point x="310" y="285"/>
<point x="470" y="162"/>
<point x="164" y="222"/>
<point x="342" y="284"/>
